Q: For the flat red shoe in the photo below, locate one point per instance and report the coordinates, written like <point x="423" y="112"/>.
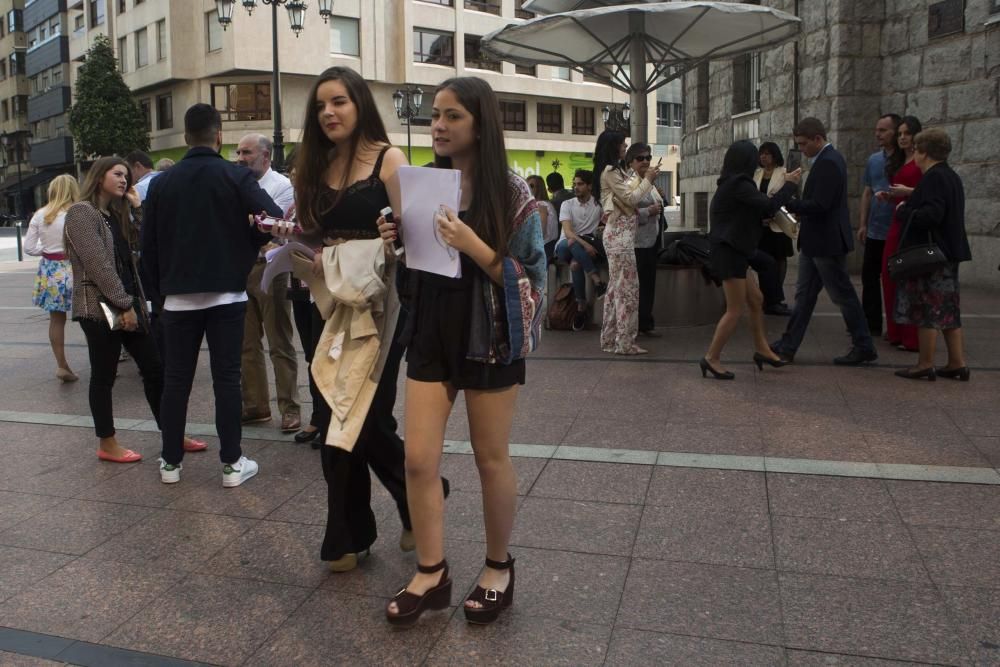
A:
<point x="128" y="457"/>
<point x="192" y="445"/>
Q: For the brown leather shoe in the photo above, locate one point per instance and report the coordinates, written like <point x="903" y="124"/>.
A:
<point x="255" y="418"/>
<point x="290" y="422"/>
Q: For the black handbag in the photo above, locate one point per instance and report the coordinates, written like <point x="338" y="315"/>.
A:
<point x="915" y="260"/>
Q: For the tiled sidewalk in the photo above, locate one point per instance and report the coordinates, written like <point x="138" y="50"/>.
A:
<point x="618" y="563"/>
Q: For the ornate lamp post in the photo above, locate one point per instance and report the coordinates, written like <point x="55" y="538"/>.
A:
<point x="616" y="117"/>
<point x="407" y="102"/>
<point x="14" y="141"/>
<point x="296" y="19"/>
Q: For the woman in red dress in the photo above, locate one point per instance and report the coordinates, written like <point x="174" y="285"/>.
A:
<point x="904" y="175"/>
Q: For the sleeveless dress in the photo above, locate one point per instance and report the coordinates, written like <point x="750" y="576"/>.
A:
<point x="898" y="334"/>
<point x="350" y="526"/>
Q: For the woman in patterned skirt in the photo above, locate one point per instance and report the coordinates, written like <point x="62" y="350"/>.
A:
<point x="54" y="282"/>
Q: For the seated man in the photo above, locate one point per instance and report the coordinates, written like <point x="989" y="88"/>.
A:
<point x="578" y="244"/>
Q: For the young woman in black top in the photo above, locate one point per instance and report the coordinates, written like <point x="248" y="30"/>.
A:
<point x="341" y="168"/>
<point x="735" y="215"/>
<point x="470" y="334"/>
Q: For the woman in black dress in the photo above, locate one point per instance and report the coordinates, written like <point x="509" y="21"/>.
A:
<point x="770" y="178"/>
<point x="470" y="334"/>
<point x="341" y="167"/>
<point x="735" y="216"/>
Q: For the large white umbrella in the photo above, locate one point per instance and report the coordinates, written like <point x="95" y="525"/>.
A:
<point x="618" y="43"/>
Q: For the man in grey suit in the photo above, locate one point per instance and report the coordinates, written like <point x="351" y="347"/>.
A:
<point x="825" y="238"/>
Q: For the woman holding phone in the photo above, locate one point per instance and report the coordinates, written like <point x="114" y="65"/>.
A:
<point x="470" y="334"/>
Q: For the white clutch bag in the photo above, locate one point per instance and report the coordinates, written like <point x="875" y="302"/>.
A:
<point x="785" y="223"/>
<point x="112" y="316"/>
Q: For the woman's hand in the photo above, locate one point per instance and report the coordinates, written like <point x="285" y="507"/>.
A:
<point x="318" y="264"/>
<point x="652" y="173"/>
<point x="280" y="229"/>
<point x="900" y="191"/>
<point x="794" y="177"/>
<point x="129" y="321"/>
<point x="389" y="231"/>
<point x="883" y="195"/>
<point x="133" y="197"/>
<point x="453" y="231"/>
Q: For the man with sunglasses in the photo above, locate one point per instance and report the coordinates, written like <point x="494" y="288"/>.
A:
<point x="647" y="238"/>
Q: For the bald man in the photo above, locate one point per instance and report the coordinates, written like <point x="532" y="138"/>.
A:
<point x="268" y="314"/>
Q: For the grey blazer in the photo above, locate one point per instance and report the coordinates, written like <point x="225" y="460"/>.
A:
<point x="91" y="249"/>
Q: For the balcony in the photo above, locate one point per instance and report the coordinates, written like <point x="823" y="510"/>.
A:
<point x="488" y="6"/>
<point x="40" y="11"/>
<point x="46" y="55"/>
<point x="52" y="102"/>
<point x="52" y="152"/>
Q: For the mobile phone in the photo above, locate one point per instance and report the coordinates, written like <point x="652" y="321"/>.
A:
<point x="266" y="222"/>
<point x="659" y="162"/>
<point x="389" y="217"/>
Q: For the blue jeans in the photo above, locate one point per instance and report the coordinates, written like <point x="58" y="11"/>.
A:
<point x="567" y="253"/>
<point x="815" y="274"/>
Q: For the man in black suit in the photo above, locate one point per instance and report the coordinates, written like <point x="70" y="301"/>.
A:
<point x="198" y="247"/>
<point x="825" y="238"/>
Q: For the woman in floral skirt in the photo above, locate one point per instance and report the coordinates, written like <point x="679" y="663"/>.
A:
<point x="54" y="282"/>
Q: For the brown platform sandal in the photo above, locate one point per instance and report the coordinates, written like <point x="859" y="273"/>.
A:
<point x="411" y="605"/>
<point x="492" y="600"/>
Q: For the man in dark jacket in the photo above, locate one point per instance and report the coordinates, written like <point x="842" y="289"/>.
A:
<point x="824" y="240"/>
<point x="198" y="247"/>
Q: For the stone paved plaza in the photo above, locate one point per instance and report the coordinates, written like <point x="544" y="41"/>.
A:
<point x="805" y="516"/>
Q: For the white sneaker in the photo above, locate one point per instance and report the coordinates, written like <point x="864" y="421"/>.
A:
<point x="234" y="474"/>
<point x="170" y="474"/>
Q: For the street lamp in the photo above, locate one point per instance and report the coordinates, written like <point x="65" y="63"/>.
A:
<point x="15" y="140"/>
<point x="616" y="117"/>
<point x="407" y="102"/>
<point x="296" y="19"/>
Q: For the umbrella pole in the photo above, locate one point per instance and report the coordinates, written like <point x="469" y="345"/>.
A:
<point x="637" y="74"/>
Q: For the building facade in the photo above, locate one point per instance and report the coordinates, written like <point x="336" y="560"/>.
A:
<point x="13" y="108"/>
<point x="174" y="54"/>
<point x="855" y="60"/>
<point x="49" y="92"/>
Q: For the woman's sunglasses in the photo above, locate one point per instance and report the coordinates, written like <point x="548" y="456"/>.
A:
<point x="643" y="158"/>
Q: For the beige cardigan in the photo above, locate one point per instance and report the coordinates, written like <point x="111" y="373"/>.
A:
<point x="777" y="179"/>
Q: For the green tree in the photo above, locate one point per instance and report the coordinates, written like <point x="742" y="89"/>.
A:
<point x="105" y="119"/>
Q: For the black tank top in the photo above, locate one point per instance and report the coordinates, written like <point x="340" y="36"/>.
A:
<point x="356" y="214"/>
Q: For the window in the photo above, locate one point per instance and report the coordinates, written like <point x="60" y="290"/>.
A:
<point x="746" y="83"/>
<point x="161" y="40"/>
<point x="96" y="13"/>
<point x="561" y="73"/>
<point x="433" y="48"/>
<point x="123" y="54"/>
<point x="344" y="36"/>
<point x="15" y="22"/>
<point x="17" y="63"/>
<point x="995" y="7"/>
<point x="78" y="22"/>
<point x="164" y="112"/>
<point x="446" y="3"/>
<point x="19" y="105"/>
<point x="701" y="98"/>
<point x="701" y="210"/>
<point x="488" y="6"/>
<point x="57" y="75"/>
<point x="141" y="48"/>
<point x="583" y="120"/>
<point x="550" y="118"/>
<point x="121" y="6"/>
<point x="677" y="115"/>
<point x="513" y="113"/>
<point x="663" y="113"/>
<point x="144" y="107"/>
<point x="55" y="26"/>
<point x="242" y="101"/>
<point x="3" y="70"/>
<point x="520" y="13"/>
<point x="4" y="111"/>
<point x="213" y="31"/>
<point x="475" y="57"/>
<point x="526" y="70"/>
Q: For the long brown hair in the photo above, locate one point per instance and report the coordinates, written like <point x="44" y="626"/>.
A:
<point x="490" y="212"/>
<point x="118" y="209"/>
<point x="539" y="187"/>
<point x="316" y="151"/>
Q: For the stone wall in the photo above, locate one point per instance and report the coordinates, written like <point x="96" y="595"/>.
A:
<point x="857" y="60"/>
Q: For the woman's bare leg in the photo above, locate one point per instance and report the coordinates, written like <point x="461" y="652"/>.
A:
<point x="735" y="290"/>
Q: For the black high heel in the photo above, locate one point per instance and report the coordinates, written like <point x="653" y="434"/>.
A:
<point x="410" y="605"/>
<point x="962" y="373"/>
<point x="491" y="601"/>
<point x="911" y="374"/>
<point x="303" y="436"/>
<point x="706" y="368"/>
<point x="760" y="360"/>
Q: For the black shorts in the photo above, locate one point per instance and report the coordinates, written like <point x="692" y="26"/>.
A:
<point x="439" y="338"/>
<point x="727" y="262"/>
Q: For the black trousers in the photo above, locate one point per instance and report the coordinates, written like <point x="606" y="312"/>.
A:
<point x="772" y="282"/>
<point x="104" y="347"/>
<point x="871" y="284"/>
<point x="183" y="331"/>
<point x="350" y="522"/>
<point x="302" y="313"/>
<point x="645" y="264"/>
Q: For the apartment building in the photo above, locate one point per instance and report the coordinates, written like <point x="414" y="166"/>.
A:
<point x="174" y="54"/>
<point x="13" y="105"/>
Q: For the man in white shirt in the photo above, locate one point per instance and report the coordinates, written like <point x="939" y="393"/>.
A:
<point x="142" y="171"/>
<point x="268" y="314"/>
<point x="578" y="244"/>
